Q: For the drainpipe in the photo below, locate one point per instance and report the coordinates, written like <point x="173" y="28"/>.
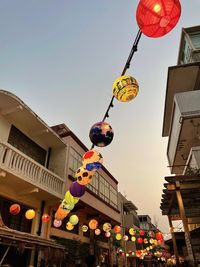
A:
<point x="41" y="213"/>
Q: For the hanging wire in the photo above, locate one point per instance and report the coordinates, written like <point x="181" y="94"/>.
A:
<point x="127" y="66"/>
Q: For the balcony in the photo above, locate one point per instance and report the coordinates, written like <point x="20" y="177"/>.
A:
<point x="17" y="164"/>
<point x="184" y="129"/>
<point x="130" y="221"/>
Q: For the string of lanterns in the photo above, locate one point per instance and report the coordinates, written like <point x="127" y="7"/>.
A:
<point x="155" y="18"/>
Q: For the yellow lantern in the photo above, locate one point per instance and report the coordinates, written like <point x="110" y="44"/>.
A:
<point x="73" y="219"/>
<point x="93" y="224"/>
<point x="118" y="236"/>
<point x="70" y="199"/>
<point x="133" y="238"/>
<point x="30" y="214"/>
<point x="125" y="88"/>
<point x="131" y="231"/>
<point x="107" y="227"/>
<point x="69" y="226"/>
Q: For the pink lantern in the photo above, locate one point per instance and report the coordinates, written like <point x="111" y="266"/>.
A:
<point x="57" y="223"/>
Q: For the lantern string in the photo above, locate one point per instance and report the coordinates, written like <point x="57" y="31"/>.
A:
<point x="127" y="66"/>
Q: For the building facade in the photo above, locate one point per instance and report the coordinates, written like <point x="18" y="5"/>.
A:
<point x="181" y="124"/>
<point x="37" y="166"/>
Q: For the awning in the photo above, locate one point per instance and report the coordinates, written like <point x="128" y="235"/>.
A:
<point x="12" y="237"/>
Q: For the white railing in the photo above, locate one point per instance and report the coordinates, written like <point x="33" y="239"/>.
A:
<point x="17" y="163"/>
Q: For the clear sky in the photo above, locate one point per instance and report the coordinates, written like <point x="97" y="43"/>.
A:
<point x="61" y="58"/>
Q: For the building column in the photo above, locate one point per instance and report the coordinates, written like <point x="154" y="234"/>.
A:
<point x="173" y="240"/>
<point x="185" y="225"/>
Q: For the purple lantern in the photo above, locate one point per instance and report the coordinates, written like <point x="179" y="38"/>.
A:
<point x="77" y="190"/>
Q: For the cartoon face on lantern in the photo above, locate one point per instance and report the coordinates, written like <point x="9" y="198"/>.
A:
<point x="125" y="88"/>
<point x="64" y="205"/>
<point x="57" y="223"/>
<point x="118" y="236"/>
<point x="84" y="228"/>
<point x="15" y="209"/>
<point x="70" y="199"/>
<point x="92" y="160"/>
<point x="101" y="134"/>
<point x="69" y="226"/>
<point x="97" y="231"/>
<point x="83" y="176"/>
<point x="61" y="214"/>
<point x="93" y="224"/>
<point x="107" y="227"/>
<point x="131" y="231"/>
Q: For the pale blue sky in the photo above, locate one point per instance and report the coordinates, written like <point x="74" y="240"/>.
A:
<point x="62" y="57"/>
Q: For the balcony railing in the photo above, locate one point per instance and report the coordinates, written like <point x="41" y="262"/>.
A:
<point x="17" y="163"/>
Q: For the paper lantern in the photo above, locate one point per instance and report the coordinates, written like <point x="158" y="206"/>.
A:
<point x="73" y="219"/>
<point x="61" y="214"/>
<point x="107" y="227"/>
<point x="156" y="18"/>
<point x="15" y="209"/>
<point x="101" y="134"/>
<point x="97" y="231"/>
<point x="125" y="238"/>
<point x="92" y="160"/>
<point x="146" y="241"/>
<point x="118" y="237"/>
<point x="45" y="218"/>
<point x="125" y="88"/>
<point x="93" y="224"/>
<point x="69" y="226"/>
<point x="159" y="236"/>
<point x="70" y="199"/>
<point x="151" y="234"/>
<point x="84" y="228"/>
<point x="140" y="240"/>
<point x="151" y="240"/>
<point x="30" y="214"/>
<point x="131" y="231"/>
<point x="133" y="238"/>
<point x="77" y="190"/>
<point x="117" y="229"/>
<point x="83" y="176"/>
<point x="141" y="232"/>
<point x="57" y="223"/>
<point x="107" y="234"/>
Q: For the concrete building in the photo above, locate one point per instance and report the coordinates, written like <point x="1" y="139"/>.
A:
<point x="181" y="124"/>
<point x="146" y="224"/>
<point x="37" y="166"/>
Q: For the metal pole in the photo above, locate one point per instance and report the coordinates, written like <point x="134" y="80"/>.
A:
<point x="4" y="255"/>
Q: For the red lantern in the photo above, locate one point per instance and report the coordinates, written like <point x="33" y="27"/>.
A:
<point x="117" y="229"/>
<point x="45" y="218"/>
<point x="159" y="236"/>
<point x="156" y="18"/>
<point x="139" y="240"/>
<point x="15" y="209"/>
<point x="141" y="232"/>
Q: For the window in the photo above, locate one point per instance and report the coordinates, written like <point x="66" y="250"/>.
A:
<point x="75" y="161"/>
<point x="195" y="38"/>
<point x="113" y="196"/>
<point x="104" y="191"/>
<point x="23" y="143"/>
<point x="94" y="184"/>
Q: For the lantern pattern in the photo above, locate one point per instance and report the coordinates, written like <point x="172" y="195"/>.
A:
<point x="101" y="134"/>
<point x="97" y="231"/>
<point x="57" y="223"/>
<point x="15" y="209"/>
<point x="61" y="214"/>
<point x="107" y="227"/>
<point x="77" y="190"/>
<point x="69" y="226"/>
<point x="118" y="236"/>
<point x="73" y="219"/>
<point x="92" y="160"/>
<point x="84" y="228"/>
<point x="131" y="231"/>
<point x="83" y="176"/>
<point x="45" y="218"/>
<point x="125" y="88"/>
<point x="30" y="214"/>
<point x="156" y="18"/>
<point x="93" y="224"/>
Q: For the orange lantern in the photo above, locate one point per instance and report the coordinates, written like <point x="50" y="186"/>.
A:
<point x="45" y="218"/>
<point x="61" y="214"/>
<point x="30" y="214"/>
<point x="117" y="229"/>
<point x="15" y="209"/>
<point x="93" y="224"/>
